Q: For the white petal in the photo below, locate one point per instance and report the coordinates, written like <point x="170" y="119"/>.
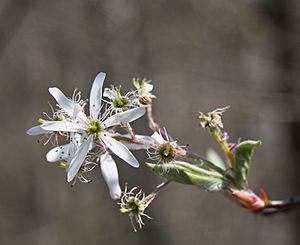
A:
<point x="110" y="174"/>
<point x="58" y="153"/>
<point x="36" y="130"/>
<point x="76" y="139"/>
<point x="120" y="150"/>
<point x="132" y="146"/>
<point x="74" y="110"/>
<point x="65" y="103"/>
<point x="78" y="113"/>
<point x="96" y="95"/>
<point x="109" y="93"/>
<point x="62" y="126"/>
<point x="124" y="117"/>
<point x="78" y="159"/>
<point x="158" y="138"/>
<point x="148" y="87"/>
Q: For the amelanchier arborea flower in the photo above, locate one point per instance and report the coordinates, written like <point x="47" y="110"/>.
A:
<point x="91" y="130"/>
<point x="83" y="141"/>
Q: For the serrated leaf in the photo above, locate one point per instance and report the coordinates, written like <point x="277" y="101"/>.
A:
<point x="189" y="174"/>
<point x="242" y="161"/>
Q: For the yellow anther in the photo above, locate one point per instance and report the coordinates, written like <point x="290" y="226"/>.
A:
<point x="41" y="121"/>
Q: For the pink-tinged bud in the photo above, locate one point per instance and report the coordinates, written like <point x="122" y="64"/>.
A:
<point x="232" y="146"/>
<point x="225" y="136"/>
<point x="248" y="199"/>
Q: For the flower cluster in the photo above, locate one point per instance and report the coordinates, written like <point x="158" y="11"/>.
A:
<point x="90" y="138"/>
<point x="84" y="139"/>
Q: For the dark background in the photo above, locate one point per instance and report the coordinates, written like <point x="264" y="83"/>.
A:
<point x="200" y="55"/>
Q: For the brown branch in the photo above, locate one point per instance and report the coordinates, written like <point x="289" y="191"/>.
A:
<point x="275" y="206"/>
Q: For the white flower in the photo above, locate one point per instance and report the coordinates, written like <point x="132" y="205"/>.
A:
<point x="92" y="127"/>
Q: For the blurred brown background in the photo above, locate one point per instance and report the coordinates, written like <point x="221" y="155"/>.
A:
<point x="200" y="55"/>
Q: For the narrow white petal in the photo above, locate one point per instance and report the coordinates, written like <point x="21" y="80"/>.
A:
<point x="62" y="126"/>
<point x="109" y="93"/>
<point x="65" y="103"/>
<point x="124" y="117"/>
<point x="58" y="153"/>
<point x="79" y="114"/>
<point x="110" y="174"/>
<point x="74" y="110"/>
<point x="158" y="138"/>
<point x="36" y="130"/>
<point x="120" y="150"/>
<point x="78" y="159"/>
<point x="132" y="146"/>
<point x="75" y="143"/>
<point x="96" y="95"/>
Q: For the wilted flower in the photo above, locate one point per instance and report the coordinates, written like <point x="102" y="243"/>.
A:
<point x="143" y="92"/>
<point x="134" y="203"/>
<point x="212" y="119"/>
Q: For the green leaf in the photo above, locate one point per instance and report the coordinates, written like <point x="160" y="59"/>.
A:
<point x="242" y="160"/>
<point x="214" y="157"/>
<point x="189" y="174"/>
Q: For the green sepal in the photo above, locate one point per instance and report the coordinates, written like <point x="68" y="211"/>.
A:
<point x="242" y="160"/>
<point x="186" y="173"/>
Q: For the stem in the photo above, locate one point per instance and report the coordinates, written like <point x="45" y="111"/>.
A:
<point x="130" y="130"/>
<point x="274" y="206"/>
<point x="224" y="146"/>
<point x="149" y="198"/>
<point x="161" y="186"/>
<point x="152" y="124"/>
<point x="134" y="140"/>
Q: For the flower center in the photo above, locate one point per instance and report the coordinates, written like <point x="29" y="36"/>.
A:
<point x="145" y="100"/>
<point x="94" y="127"/>
<point x="58" y="118"/>
<point x="120" y="102"/>
<point x="134" y="206"/>
<point x="166" y="152"/>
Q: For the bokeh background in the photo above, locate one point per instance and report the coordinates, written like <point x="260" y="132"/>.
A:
<point x="200" y="55"/>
